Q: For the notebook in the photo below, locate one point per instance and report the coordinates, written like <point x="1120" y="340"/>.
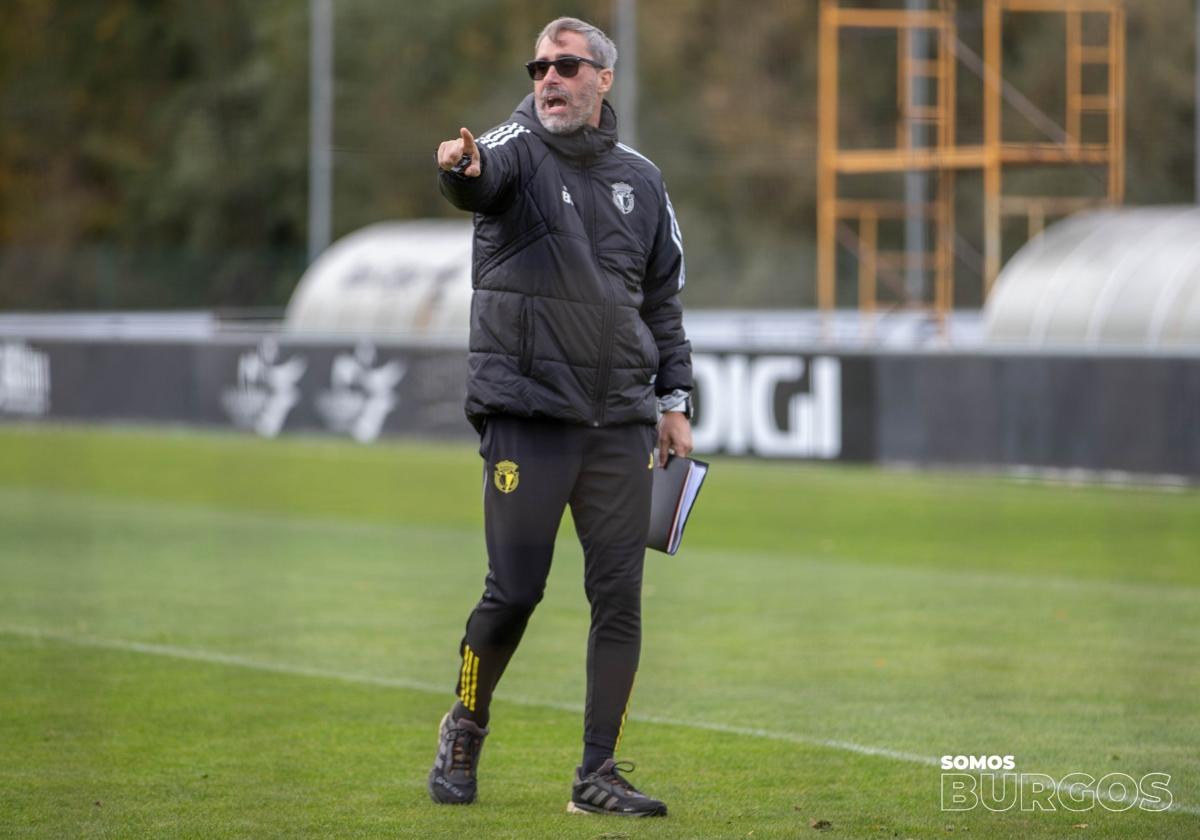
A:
<point x="676" y="487"/>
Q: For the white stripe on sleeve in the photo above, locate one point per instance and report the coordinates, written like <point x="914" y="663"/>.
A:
<point x="677" y="238"/>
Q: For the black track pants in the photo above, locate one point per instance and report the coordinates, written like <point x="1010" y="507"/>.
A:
<point x="532" y="470"/>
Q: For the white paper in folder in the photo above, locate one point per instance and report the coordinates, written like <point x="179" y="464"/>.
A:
<point x="675" y="490"/>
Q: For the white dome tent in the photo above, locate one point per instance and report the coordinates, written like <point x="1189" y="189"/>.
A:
<point x="1120" y="279"/>
<point x="391" y="279"/>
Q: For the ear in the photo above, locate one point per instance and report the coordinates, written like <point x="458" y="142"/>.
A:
<point x="606" y="80"/>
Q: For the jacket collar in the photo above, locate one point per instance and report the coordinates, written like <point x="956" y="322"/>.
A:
<point x="584" y="145"/>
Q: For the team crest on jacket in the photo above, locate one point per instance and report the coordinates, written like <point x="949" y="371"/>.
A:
<point x="506" y="476"/>
<point x="623" y="197"/>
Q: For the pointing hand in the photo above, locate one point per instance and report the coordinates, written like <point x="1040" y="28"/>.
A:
<point x="451" y="153"/>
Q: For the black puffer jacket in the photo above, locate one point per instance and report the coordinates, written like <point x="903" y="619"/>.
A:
<point x="577" y="267"/>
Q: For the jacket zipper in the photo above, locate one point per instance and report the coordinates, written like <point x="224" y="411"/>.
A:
<point x="606" y="338"/>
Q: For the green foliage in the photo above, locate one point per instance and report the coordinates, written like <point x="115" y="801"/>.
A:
<point x="135" y="130"/>
<point x="155" y="153"/>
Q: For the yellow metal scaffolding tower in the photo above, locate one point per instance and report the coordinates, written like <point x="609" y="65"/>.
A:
<point x="946" y="157"/>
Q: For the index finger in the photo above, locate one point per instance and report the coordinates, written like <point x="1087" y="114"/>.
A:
<point x="468" y="142"/>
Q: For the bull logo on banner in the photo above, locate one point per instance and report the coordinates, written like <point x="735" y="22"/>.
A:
<point x="267" y="389"/>
<point x="361" y="396"/>
<point x="738" y="394"/>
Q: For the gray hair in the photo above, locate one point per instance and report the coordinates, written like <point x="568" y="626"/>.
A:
<point x="600" y="45"/>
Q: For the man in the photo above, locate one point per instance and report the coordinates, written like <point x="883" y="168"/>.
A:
<point x="577" y="344"/>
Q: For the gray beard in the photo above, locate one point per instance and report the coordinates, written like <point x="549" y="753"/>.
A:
<point x="564" y="124"/>
<point x="573" y="120"/>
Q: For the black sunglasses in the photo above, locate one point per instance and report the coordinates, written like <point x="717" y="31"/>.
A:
<point x="567" y="66"/>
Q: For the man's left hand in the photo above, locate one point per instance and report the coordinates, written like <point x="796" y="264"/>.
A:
<point x="674" y="436"/>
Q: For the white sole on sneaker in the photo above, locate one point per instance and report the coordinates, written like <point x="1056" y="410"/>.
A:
<point x="572" y="808"/>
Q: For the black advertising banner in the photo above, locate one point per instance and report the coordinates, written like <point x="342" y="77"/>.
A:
<point x="784" y="405"/>
<point x="774" y="406"/>
<point x="1099" y="413"/>
<point x="361" y="391"/>
<point x="265" y="386"/>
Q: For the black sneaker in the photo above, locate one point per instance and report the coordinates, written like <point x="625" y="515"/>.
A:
<point x="452" y="779"/>
<point x="606" y="792"/>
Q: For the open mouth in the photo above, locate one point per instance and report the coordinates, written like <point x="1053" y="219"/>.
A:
<point x="552" y="103"/>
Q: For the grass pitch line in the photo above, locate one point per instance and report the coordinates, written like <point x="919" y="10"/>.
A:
<point x="215" y="658"/>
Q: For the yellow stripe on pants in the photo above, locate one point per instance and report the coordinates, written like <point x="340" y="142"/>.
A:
<point x="625" y="714"/>
<point x="465" y="693"/>
<point x="474" y="681"/>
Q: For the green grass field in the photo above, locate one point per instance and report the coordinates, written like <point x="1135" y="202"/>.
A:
<point x="216" y="636"/>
